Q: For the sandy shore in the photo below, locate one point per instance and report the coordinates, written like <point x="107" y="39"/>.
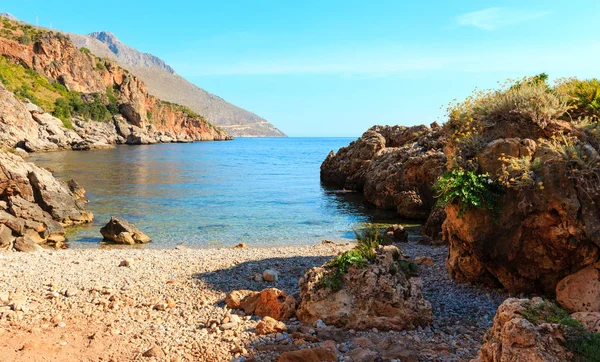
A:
<point x="81" y="305"/>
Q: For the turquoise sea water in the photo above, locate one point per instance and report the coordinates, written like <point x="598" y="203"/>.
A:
<point x="261" y="191"/>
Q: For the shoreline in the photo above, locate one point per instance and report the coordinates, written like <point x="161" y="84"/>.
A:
<point x="80" y="303"/>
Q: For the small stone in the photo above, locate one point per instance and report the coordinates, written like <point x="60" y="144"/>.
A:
<point x="270" y="275"/>
<point x="269" y="326"/>
<point x="241" y="246"/>
<point x="154" y="352"/>
<point x="320" y="324"/>
<point x="258" y="277"/>
<point x="61" y="324"/>
<point x="71" y="292"/>
<point x="127" y="262"/>
<point x="226" y="326"/>
<point x="425" y="260"/>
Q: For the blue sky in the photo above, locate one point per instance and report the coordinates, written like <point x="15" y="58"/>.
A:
<point x="335" y="68"/>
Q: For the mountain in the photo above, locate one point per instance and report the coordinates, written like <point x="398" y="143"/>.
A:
<point x="163" y="82"/>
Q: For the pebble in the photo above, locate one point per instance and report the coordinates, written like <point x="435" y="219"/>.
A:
<point x="270" y="275"/>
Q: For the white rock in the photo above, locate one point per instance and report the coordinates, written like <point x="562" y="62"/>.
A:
<point x="270" y="275"/>
<point x="320" y="324"/>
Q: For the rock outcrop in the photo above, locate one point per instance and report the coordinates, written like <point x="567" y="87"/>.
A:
<point x="395" y="167"/>
<point x="34" y="206"/>
<point x="544" y="224"/>
<point x="515" y="338"/>
<point x="384" y="294"/>
<point x="141" y="117"/>
<point x="122" y="232"/>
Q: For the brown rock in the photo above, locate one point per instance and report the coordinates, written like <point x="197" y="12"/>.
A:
<point x="6" y="237"/>
<point x="309" y="355"/>
<point x="590" y="320"/>
<point x="394" y="167"/>
<point x="424" y="260"/>
<point x="269" y="325"/>
<point x="397" y="234"/>
<point x="383" y="295"/>
<point x="513" y="338"/>
<point x="270" y="302"/>
<point x="154" y="352"/>
<point x="580" y="292"/>
<point x="27" y="245"/>
<point x="122" y="232"/>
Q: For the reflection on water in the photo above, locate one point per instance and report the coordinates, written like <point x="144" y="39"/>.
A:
<point x="258" y="191"/>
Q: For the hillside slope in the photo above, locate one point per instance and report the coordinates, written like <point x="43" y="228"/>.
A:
<point x="163" y="82"/>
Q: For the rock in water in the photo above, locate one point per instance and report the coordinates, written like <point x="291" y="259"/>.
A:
<point x="385" y="294"/>
<point x="395" y="167"/>
<point x="122" y="232"/>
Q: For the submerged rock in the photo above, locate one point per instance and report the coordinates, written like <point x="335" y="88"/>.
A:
<point x="385" y="294"/>
<point x="122" y="232"/>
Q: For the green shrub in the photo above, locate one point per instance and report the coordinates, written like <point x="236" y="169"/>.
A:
<point x="85" y="50"/>
<point x="468" y="190"/>
<point x="584" y="345"/>
<point x="100" y="65"/>
<point x="24" y="39"/>
<point x="150" y="116"/>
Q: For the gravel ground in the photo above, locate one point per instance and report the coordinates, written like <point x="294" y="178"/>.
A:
<point x="81" y="305"/>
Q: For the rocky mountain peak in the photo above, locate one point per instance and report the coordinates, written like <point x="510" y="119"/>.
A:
<point x="9" y="16"/>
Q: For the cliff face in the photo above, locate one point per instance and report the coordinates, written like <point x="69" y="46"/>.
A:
<point x="139" y="117"/>
<point x="164" y="82"/>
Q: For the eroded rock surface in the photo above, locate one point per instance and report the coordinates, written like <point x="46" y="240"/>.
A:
<point x="270" y="302"/>
<point x="34" y="206"/>
<point x="383" y="295"/>
<point x="514" y="338"/>
<point x="394" y="166"/>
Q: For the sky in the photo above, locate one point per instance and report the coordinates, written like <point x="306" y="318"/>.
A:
<point x="335" y="68"/>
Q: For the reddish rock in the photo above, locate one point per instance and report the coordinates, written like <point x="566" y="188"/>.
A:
<point x="270" y="302"/>
<point x="309" y="355"/>
<point x="580" y="292"/>
<point x="513" y="338"/>
<point x="269" y="325"/>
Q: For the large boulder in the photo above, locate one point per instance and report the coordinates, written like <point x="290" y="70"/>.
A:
<point x="122" y="232"/>
<point x="580" y="292"/>
<point x="543" y="165"/>
<point x="520" y="334"/>
<point x="384" y="294"/>
<point x="395" y="167"/>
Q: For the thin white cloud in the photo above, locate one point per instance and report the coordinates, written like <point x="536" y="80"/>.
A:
<point x="494" y="18"/>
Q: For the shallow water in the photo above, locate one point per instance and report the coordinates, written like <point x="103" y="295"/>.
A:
<point x="261" y="191"/>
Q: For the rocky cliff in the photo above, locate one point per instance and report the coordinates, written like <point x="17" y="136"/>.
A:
<point x="395" y="167"/>
<point x="165" y="83"/>
<point x="34" y="206"/>
<point x="80" y="88"/>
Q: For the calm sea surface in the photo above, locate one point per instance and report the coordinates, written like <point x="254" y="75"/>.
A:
<point x="261" y="191"/>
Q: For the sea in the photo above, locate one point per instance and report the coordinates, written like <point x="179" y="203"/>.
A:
<point x="258" y="191"/>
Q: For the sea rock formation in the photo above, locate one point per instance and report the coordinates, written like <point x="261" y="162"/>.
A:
<point x="384" y="294"/>
<point x="34" y="206"/>
<point x="544" y="224"/>
<point x="122" y="232"/>
<point x="394" y="166"/>
<point x="137" y="117"/>
<point x="515" y="338"/>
